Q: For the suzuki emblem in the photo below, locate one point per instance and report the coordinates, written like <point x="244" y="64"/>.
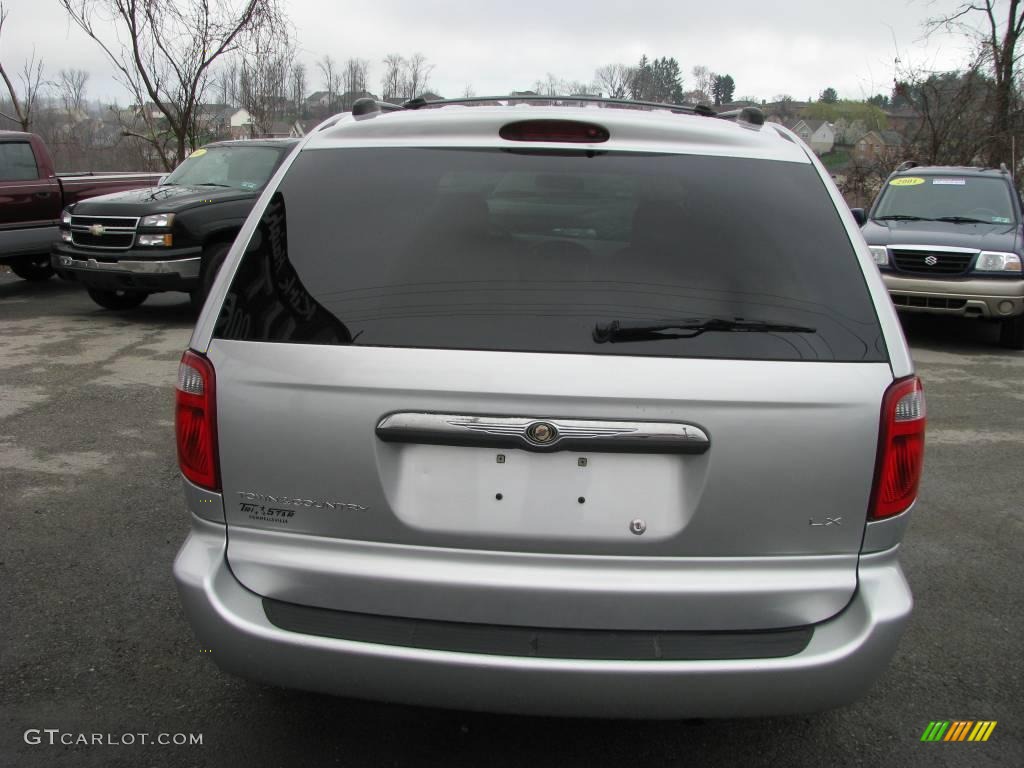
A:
<point x="97" y="230"/>
<point x="931" y="261"/>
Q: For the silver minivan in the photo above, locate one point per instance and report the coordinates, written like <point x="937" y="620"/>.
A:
<point x="570" y="409"/>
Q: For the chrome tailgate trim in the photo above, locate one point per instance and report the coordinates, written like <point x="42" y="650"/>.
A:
<point x="542" y="434"/>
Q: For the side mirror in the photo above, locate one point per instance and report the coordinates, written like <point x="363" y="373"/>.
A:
<point x="859" y="216"/>
<point x="162" y="179"/>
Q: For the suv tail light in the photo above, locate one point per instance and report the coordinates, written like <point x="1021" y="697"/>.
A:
<point x="570" y="131"/>
<point x="900" y="449"/>
<point x="195" y="421"/>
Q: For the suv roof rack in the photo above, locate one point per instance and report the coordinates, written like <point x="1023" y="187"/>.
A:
<point x="749" y="115"/>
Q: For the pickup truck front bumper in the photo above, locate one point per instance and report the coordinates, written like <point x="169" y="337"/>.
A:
<point x="174" y="270"/>
<point x="994" y="298"/>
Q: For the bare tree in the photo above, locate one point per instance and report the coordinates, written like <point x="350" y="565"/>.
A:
<point x="227" y="83"/>
<point x="613" y="80"/>
<point x="354" y="80"/>
<point x="332" y="80"/>
<point x="956" y="125"/>
<point x="297" y="85"/>
<point x="703" y="82"/>
<point x="264" y="78"/>
<point x="468" y="92"/>
<point x="31" y="77"/>
<point x="71" y="84"/>
<point x="163" y="52"/>
<point x="997" y="33"/>
<point x="417" y="75"/>
<point x="391" y="82"/>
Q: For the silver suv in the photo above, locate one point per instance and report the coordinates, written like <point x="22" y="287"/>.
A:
<point x="584" y="409"/>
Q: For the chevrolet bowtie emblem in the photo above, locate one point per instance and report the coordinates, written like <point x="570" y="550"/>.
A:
<point x="97" y="230"/>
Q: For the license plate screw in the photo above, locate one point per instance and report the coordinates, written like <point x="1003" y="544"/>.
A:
<point x="581" y="461"/>
<point x="637" y="526"/>
<point x="501" y="458"/>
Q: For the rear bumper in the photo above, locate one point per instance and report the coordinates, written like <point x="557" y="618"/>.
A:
<point x="968" y="297"/>
<point x="844" y="656"/>
<point x="176" y="270"/>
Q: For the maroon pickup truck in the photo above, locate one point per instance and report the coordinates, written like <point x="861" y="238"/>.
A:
<point x="32" y="196"/>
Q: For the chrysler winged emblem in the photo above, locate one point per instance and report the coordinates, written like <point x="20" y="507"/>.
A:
<point x="931" y="261"/>
<point x="97" y="229"/>
<point x="541" y="432"/>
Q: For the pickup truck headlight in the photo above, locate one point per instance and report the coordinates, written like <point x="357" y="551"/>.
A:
<point x="65" y="218"/>
<point x="996" y="261"/>
<point x="164" y="240"/>
<point x="157" y="220"/>
<point x="881" y="254"/>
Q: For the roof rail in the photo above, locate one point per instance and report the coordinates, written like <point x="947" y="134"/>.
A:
<point x="906" y="165"/>
<point x="694" y="109"/>
<point x="367" y="107"/>
<point x="749" y="115"/>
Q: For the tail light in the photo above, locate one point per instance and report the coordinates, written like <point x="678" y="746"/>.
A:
<point x="900" y="449"/>
<point x="570" y="131"/>
<point x="195" y="421"/>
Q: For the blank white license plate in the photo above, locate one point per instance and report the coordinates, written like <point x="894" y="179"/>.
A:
<point x="562" y="495"/>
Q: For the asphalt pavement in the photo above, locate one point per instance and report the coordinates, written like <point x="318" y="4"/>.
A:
<point x="93" y="640"/>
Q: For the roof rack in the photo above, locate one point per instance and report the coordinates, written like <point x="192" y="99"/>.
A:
<point x="751" y="115"/>
<point x="748" y="115"/>
<point x="906" y="165"/>
<point x="366" y="107"/>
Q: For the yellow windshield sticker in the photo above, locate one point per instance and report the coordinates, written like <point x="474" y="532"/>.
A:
<point x="201" y="152"/>
<point x="905" y="181"/>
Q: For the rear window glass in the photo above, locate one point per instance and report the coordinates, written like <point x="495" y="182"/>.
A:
<point x="527" y="251"/>
<point x="937" y="197"/>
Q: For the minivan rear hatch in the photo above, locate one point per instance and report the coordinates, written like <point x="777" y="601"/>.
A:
<point x="565" y="389"/>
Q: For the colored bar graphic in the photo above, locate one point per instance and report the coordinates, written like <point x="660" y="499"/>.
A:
<point x="958" y="730"/>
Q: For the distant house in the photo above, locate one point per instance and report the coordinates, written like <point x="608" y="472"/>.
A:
<point x="283" y="129"/>
<point x="782" y="111"/>
<point x="319" y="99"/>
<point x="348" y="98"/>
<point x="878" y="146"/>
<point x="849" y="132"/>
<point x="240" y="124"/>
<point x="904" y="120"/>
<point x="819" y="135"/>
<point x="216" y="119"/>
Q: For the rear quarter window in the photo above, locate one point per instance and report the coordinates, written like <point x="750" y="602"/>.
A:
<point x="527" y="251"/>
<point x="17" y="161"/>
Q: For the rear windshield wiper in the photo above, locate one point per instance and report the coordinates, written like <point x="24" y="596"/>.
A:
<point x="962" y="220"/>
<point x="902" y="217"/>
<point x="616" y="331"/>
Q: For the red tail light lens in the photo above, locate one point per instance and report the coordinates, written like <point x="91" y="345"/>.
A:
<point x="570" y="131"/>
<point x="900" y="449"/>
<point x="195" y="421"/>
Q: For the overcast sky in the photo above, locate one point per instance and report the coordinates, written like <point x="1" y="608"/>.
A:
<point x="797" y="48"/>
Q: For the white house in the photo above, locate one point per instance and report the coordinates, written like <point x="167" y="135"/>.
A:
<point x="241" y="124"/>
<point x="819" y="135"/>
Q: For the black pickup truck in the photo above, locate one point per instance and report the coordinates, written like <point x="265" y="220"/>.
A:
<point x="172" y="237"/>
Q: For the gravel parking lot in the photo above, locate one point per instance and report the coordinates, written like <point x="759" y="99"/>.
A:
<point x="93" y="641"/>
